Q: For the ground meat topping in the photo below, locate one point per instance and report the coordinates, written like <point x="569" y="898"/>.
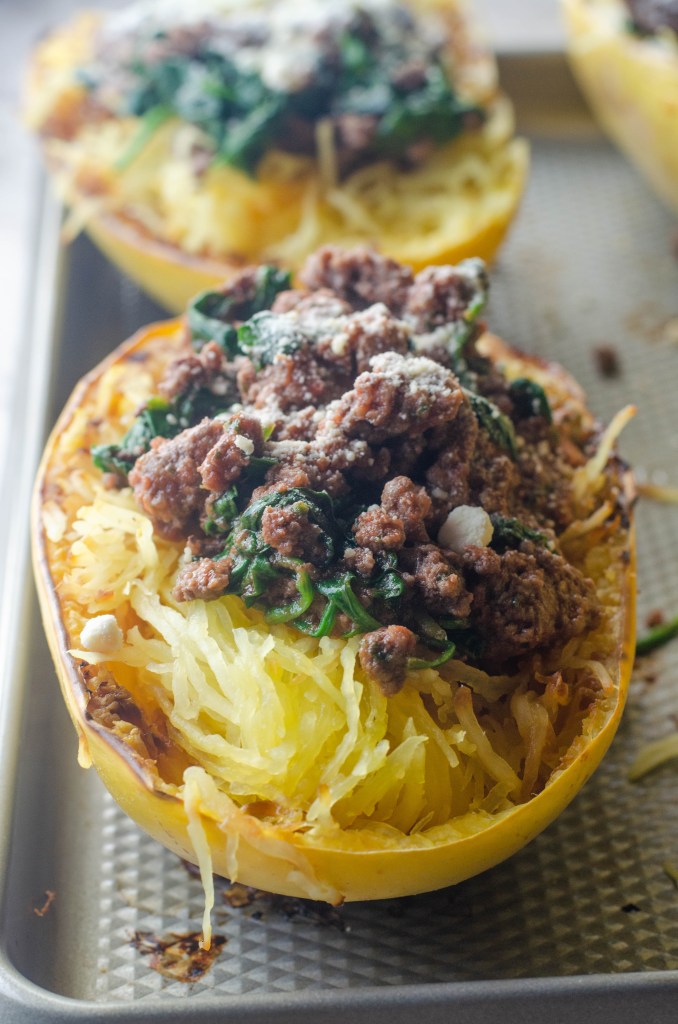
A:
<point x="383" y="655"/>
<point x="290" y="532"/>
<point x="113" y="707"/>
<point x="410" y="504"/>
<point x="359" y="276"/>
<point x="167" y="482"/>
<point x="377" y="530"/>
<point x="526" y="599"/>
<point x="441" y="295"/>
<point x="319" y="490"/>
<point x="203" y="580"/>
<point x="363" y="335"/>
<point x="436" y="580"/>
<point x="397" y="395"/>
<point x="242" y="437"/>
<point x="376" y="81"/>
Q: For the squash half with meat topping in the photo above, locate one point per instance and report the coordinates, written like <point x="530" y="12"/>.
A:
<point x="339" y="586"/>
<point x="191" y="140"/>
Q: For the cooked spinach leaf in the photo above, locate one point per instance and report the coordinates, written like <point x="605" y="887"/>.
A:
<point x="241" y="116"/>
<point x="211" y="315"/>
<point x="510" y="533"/>
<point x="208" y="320"/>
<point x="150" y="122"/>
<point x="339" y="591"/>
<point x="494" y="422"/>
<point x="387" y="584"/>
<point x="301" y="603"/>
<point x="222" y="513"/>
<point x="157" y="419"/>
<point x="657" y="637"/>
<point x="529" y="399"/>
<point x="267" y="335"/>
<point x="445" y="655"/>
<point x="432" y="112"/>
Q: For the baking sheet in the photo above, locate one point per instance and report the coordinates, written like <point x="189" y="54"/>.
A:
<point x="585" y="919"/>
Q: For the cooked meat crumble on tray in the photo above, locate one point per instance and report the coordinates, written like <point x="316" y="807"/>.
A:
<point x="343" y="456"/>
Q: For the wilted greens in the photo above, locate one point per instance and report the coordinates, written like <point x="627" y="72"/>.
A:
<point x="389" y="81"/>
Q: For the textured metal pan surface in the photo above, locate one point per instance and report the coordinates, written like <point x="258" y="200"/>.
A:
<point x="586" y="915"/>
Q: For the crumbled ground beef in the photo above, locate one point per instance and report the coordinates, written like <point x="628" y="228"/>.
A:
<point x="292" y="382"/>
<point x="352" y="448"/>
<point x="397" y="395"/>
<point x="167" y="482"/>
<point x="493" y="477"/>
<point x="363" y="335"/>
<point x="383" y="655"/>
<point x="241" y="438"/>
<point x="436" y="580"/>
<point x="377" y="530"/>
<point x="321" y="304"/>
<point x="544" y="478"/>
<point x="447" y="479"/>
<point x="203" y="579"/>
<point x="207" y="368"/>
<point x="289" y="531"/>
<point x="410" y="504"/>
<point x="110" y="704"/>
<point x="223" y="464"/>
<point x="360" y="276"/>
<point x="439" y="295"/>
<point x="526" y="599"/>
<point x="361" y="560"/>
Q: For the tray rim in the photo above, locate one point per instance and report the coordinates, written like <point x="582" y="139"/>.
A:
<point x="567" y="1000"/>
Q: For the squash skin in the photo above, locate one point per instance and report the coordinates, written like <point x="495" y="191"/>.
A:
<point x="631" y="84"/>
<point x="172" y="277"/>
<point x="354" y="874"/>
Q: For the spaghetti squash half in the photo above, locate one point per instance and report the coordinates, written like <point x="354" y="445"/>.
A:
<point x="624" y="54"/>
<point x="339" y="587"/>
<point x="192" y="140"/>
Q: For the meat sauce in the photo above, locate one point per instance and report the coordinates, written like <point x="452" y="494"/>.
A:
<point x="320" y="454"/>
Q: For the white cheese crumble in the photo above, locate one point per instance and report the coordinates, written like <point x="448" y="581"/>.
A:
<point x="101" y="634"/>
<point x="339" y="344"/>
<point x="219" y="386"/>
<point x="466" y="524"/>
<point x="245" y="444"/>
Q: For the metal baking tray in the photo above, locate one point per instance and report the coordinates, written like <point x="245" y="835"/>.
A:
<point x="582" y="924"/>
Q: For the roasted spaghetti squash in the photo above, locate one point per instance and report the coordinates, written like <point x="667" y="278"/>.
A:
<point x="624" y="54"/>
<point x="339" y="587"/>
<point x="192" y="140"/>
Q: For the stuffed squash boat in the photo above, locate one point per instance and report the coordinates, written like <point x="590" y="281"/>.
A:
<point x="624" y="54"/>
<point x="339" y="586"/>
<point x="193" y="139"/>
